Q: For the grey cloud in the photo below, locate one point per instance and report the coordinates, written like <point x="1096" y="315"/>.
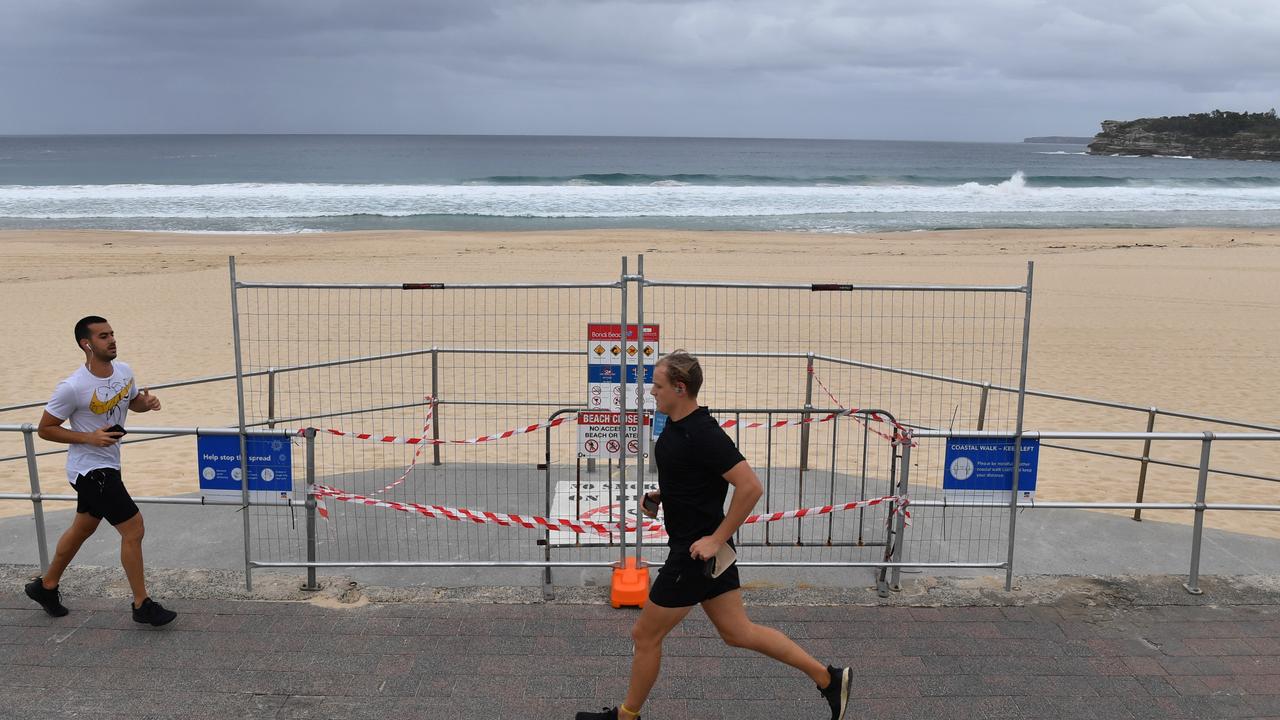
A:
<point x="611" y="66"/>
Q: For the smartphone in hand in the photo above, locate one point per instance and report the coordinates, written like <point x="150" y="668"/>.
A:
<point x="649" y="504"/>
<point x="712" y="567"/>
<point x="118" y="428"/>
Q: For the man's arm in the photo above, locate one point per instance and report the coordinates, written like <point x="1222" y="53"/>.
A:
<point x="144" y="402"/>
<point x="51" y="429"/>
<point x="747" y="490"/>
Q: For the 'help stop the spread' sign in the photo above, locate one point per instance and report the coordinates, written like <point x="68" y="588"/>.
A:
<point x="598" y="435"/>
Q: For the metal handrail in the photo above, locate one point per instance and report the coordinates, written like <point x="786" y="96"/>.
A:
<point x="709" y="353"/>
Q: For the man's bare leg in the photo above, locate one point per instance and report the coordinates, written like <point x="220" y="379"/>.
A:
<point x="648" y="633"/>
<point x="82" y="528"/>
<point x="737" y="630"/>
<point x="131" y="533"/>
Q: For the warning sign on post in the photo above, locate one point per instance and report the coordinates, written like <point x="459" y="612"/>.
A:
<point x="606" y="349"/>
<point x="598" y="435"/>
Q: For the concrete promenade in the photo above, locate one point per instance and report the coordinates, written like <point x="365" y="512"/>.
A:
<point x="1053" y="648"/>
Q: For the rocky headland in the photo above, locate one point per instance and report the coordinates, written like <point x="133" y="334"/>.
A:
<point x="1219" y="134"/>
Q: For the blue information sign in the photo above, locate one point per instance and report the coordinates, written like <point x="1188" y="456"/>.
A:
<point x="610" y="373"/>
<point x="986" y="465"/>
<point x="659" y="422"/>
<point x="270" y="465"/>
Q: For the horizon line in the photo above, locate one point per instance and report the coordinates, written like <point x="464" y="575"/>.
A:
<point x="132" y="133"/>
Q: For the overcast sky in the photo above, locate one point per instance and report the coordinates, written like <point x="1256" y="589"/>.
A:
<point x="877" y="69"/>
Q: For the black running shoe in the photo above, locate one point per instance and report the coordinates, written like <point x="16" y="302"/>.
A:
<point x="837" y="692"/>
<point x="50" y="600"/>
<point x="152" y="613"/>
<point x="605" y="714"/>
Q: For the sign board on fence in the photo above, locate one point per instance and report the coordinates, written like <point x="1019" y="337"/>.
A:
<point x="270" y="466"/>
<point x="982" y="468"/>
<point x="605" y="351"/>
<point x="598" y="435"/>
<point x="596" y="500"/>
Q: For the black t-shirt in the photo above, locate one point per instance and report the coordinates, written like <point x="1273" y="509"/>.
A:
<point x="693" y="455"/>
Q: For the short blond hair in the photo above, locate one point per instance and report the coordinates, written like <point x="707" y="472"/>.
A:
<point x="685" y="369"/>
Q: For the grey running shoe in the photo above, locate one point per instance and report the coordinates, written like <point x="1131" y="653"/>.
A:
<point x="152" y="613"/>
<point x="837" y="692"/>
<point x="50" y="600"/>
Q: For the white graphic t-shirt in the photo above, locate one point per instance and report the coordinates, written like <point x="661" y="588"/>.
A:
<point x="90" y="403"/>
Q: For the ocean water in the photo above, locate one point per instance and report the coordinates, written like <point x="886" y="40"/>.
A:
<point x="301" y="183"/>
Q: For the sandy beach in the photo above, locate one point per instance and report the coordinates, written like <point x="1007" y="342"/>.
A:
<point x="1184" y="319"/>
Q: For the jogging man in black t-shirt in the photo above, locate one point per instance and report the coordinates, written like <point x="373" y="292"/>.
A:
<point x="697" y="462"/>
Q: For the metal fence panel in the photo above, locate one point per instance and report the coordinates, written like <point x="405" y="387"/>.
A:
<point x="453" y="363"/>
<point x="899" y="349"/>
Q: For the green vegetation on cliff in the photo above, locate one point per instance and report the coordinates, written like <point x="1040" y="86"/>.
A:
<point x="1217" y="134"/>
<point x="1218" y="123"/>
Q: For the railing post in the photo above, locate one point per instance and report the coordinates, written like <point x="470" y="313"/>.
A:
<point x="1197" y="533"/>
<point x="622" y="425"/>
<point x="1017" y="438"/>
<point x="894" y="534"/>
<point x="1146" y="458"/>
<point x="901" y="520"/>
<point x="546" y="509"/>
<point x="982" y="405"/>
<point x="271" y="397"/>
<point x="640" y="463"/>
<point x="311" y="510"/>
<point x="37" y="504"/>
<point x="435" y="405"/>
<point x="808" y="405"/>
<point x="244" y="439"/>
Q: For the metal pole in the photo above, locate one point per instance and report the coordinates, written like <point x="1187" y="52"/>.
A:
<point x="982" y="405"/>
<point x="831" y="495"/>
<point x="622" y="425"/>
<point x="1197" y="533"/>
<point x="808" y="405"/>
<point x="1146" y="458"/>
<point x="244" y="439"/>
<point x="546" y="532"/>
<point x="901" y="524"/>
<point x="37" y="505"/>
<point x="768" y="471"/>
<point x="271" y="397"/>
<point x="640" y="444"/>
<point x="311" y="510"/>
<point x="435" y="406"/>
<point x="1017" y="440"/>
<point x="862" y="486"/>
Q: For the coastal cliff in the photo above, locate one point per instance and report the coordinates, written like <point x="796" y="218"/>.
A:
<point x="1219" y="134"/>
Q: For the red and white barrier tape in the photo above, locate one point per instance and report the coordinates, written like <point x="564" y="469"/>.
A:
<point x="727" y="424"/>
<point x="901" y="504"/>
<point x="426" y="425"/>
<point x="398" y="440"/>
<point x="901" y="435"/>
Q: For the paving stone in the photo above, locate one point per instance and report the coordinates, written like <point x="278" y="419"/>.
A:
<point x="287" y="660"/>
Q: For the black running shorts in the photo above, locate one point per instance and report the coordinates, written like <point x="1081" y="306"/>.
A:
<point x="680" y="582"/>
<point x="101" y="494"/>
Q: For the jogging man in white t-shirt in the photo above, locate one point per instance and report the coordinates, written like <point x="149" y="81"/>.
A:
<point x="96" y="398"/>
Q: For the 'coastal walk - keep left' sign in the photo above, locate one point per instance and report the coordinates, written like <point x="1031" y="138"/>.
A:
<point x="981" y="469"/>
